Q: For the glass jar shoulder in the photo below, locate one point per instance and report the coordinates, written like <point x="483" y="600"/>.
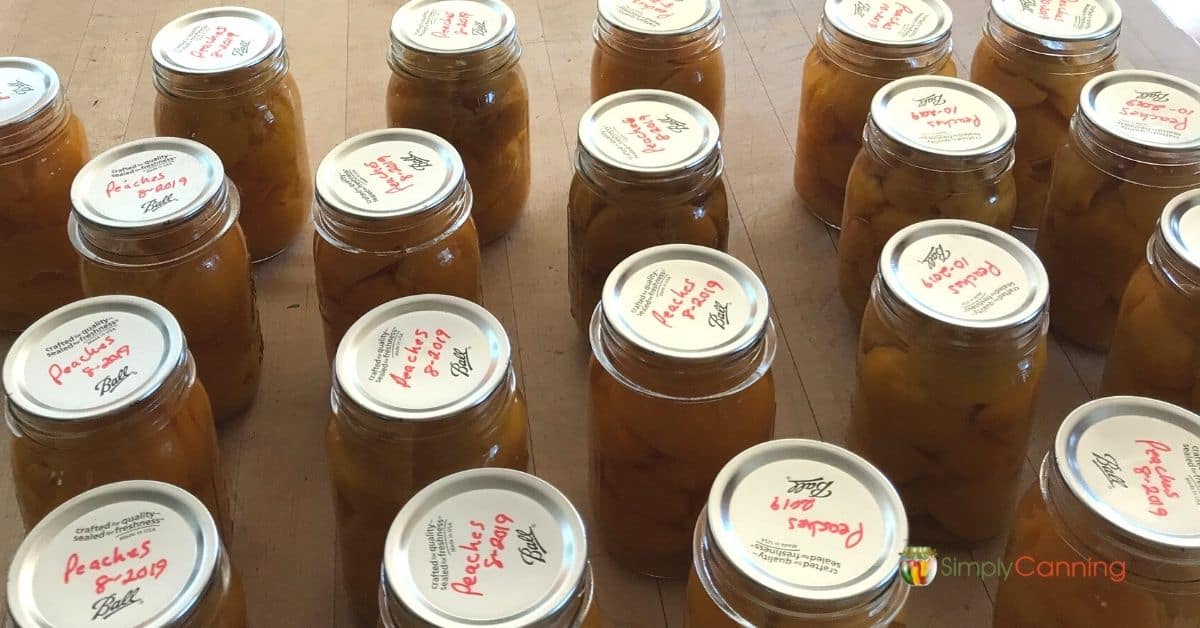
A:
<point x="1026" y="79"/>
<point x="472" y="109"/>
<point x="699" y="75"/>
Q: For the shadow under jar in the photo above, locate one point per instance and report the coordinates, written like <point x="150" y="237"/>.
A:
<point x="223" y="80"/>
<point x="647" y="172"/>
<point x="135" y="553"/>
<point x="788" y="494"/>
<point x="935" y="147"/>
<point x="861" y="45"/>
<point x="1156" y="346"/>
<point x="1134" y="145"/>
<point x="42" y="146"/>
<point x="1038" y="58"/>
<point x="393" y="219"/>
<point x="951" y="354"/>
<point x="423" y="387"/>
<point x="104" y="390"/>
<point x="157" y="218"/>
<point x="1109" y="535"/>
<point x="679" y="383"/>
<point x="509" y="549"/>
<point x="456" y="73"/>
<point x="673" y="46"/>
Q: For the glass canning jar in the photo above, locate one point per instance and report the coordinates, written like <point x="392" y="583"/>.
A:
<point x="456" y="73"/>
<point x="134" y="553"/>
<point x="223" y="79"/>
<point x="1156" y="346"/>
<point x="1134" y="145"/>
<point x="393" y="219"/>
<point x="42" y="146"/>
<point x="487" y="547"/>
<point x="1037" y="55"/>
<point x="951" y="354"/>
<point x="934" y="147"/>
<point x="104" y="390"/>
<point x="660" y="44"/>
<point x="647" y="172"/>
<point x="1109" y="535"/>
<point x="423" y="387"/>
<point x="679" y="382"/>
<point x="861" y="45"/>
<point x="796" y="534"/>
<point x="157" y="218"/>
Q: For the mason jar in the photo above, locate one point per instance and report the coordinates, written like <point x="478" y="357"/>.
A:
<point x="1038" y="57"/>
<point x="42" y="146"/>
<point x="423" y="387"/>
<point x="487" y="547"/>
<point x="393" y="219"/>
<point x="104" y="390"/>
<point x="456" y="73"/>
<point x="934" y="147"/>
<point x="1109" y="535"/>
<point x="861" y="45"/>
<point x="134" y="553"/>
<point x="648" y="171"/>
<point x="1134" y="145"/>
<point x="798" y="533"/>
<point x="223" y="79"/>
<point x="671" y="46"/>
<point x="157" y="218"/>
<point x="951" y="354"/>
<point x="679" y="383"/>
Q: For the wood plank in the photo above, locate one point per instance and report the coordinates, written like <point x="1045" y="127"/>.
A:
<point x="53" y="32"/>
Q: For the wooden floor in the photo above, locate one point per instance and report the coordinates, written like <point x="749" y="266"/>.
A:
<point x="274" y="458"/>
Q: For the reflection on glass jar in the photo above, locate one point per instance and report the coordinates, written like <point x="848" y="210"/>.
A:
<point x="674" y="47"/>
<point x="791" y="493"/>
<point x="860" y="47"/>
<point x="935" y="147"/>
<point x="140" y="553"/>
<point x="1134" y="145"/>
<point x="222" y="78"/>
<point x="456" y="73"/>
<point x="680" y="382"/>
<point x="423" y="387"/>
<point x="508" y="549"/>
<point x="105" y="390"/>
<point x="157" y="218"/>
<point x="1156" y="346"/>
<point x="1038" y="62"/>
<point x="1109" y="535"/>
<point x="42" y="146"/>
<point x="393" y="219"/>
<point x="951" y="354"/>
<point x="647" y="172"/>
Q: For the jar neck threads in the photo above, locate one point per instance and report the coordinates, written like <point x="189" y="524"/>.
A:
<point x="1076" y="56"/>
<point x="685" y="183"/>
<point x="881" y="60"/>
<point x="679" y="48"/>
<point x="23" y="138"/>
<point x="381" y="235"/>
<point x="227" y="84"/>
<point x="888" y="151"/>
<point x="1142" y="165"/>
<point x="450" y="66"/>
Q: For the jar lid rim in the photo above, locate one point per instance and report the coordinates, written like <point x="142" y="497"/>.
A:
<point x="1095" y="103"/>
<point x="50" y="88"/>
<point x="692" y="139"/>
<point x="1011" y="12"/>
<point x="401" y="33"/>
<point x="837" y="13"/>
<point x="168" y="49"/>
<point x="615" y="12"/>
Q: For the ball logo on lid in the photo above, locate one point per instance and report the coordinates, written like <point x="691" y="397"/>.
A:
<point x="889" y="21"/>
<point x="390" y="175"/>
<point x="452" y="25"/>
<point x="657" y="16"/>
<point x="943" y="118"/>
<point x="1056" y="18"/>
<point x="147" y="186"/>
<point x="219" y="43"/>
<point x="685" y="305"/>
<point x="963" y="277"/>
<point x="649" y="134"/>
<point x="1150" y="113"/>
<point x="20" y="90"/>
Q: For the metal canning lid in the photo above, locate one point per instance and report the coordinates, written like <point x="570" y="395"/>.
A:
<point x="452" y="26"/>
<point x="423" y="357"/>
<point x="210" y="41"/>
<point x="1063" y="20"/>
<point x="965" y="274"/>
<point x="389" y="173"/>
<point x="93" y="357"/>
<point x="486" y="547"/>
<point x="891" y="22"/>
<point x="1152" y="109"/>
<point x="150" y="183"/>
<point x="27" y="86"/>
<point x="1134" y="462"/>
<point x="137" y="553"/>
<point x="649" y="131"/>
<point x="808" y="520"/>
<point x="1179" y="226"/>
<point x="685" y="301"/>
<point x="944" y="116"/>
<point x="660" y="17"/>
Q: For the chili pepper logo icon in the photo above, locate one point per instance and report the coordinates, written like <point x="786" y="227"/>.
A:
<point x="918" y="565"/>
